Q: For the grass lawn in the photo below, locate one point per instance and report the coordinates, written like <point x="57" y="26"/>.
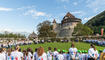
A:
<point x="65" y="46"/>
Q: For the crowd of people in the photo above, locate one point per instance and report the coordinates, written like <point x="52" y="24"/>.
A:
<point x="39" y="54"/>
<point x="9" y="44"/>
<point x="96" y="42"/>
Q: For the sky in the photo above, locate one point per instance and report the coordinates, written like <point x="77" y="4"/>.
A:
<point x="25" y="15"/>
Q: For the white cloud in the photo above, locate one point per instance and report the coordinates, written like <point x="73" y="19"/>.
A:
<point x="25" y="7"/>
<point x="75" y="3"/>
<point x="5" y="9"/>
<point x="63" y="0"/>
<point x="79" y="13"/>
<point x="88" y="18"/>
<point x="95" y="5"/>
<point x="34" y="13"/>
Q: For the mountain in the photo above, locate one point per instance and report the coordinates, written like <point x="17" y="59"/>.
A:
<point x="97" y="22"/>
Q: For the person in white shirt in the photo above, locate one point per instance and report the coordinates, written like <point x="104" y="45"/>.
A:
<point x="73" y="52"/>
<point x="41" y="54"/>
<point x="35" y="55"/>
<point x="49" y="54"/>
<point x="95" y="54"/>
<point x="91" y="52"/>
<point x="2" y="57"/>
<point x="30" y="52"/>
<point x="8" y="55"/>
<point x="16" y="54"/>
<point x="60" y="56"/>
<point x="4" y="52"/>
<point x="20" y="53"/>
<point x="55" y="53"/>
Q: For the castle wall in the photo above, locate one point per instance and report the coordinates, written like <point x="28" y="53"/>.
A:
<point x="67" y="29"/>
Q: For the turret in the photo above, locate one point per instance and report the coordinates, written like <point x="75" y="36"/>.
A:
<point x="54" y="24"/>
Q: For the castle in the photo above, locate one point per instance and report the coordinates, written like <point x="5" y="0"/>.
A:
<point x="66" y="27"/>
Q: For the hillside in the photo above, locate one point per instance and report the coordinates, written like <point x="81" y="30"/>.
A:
<point x="97" y="22"/>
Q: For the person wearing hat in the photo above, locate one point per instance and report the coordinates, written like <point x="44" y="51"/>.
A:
<point x="83" y="55"/>
<point x="80" y="54"/>
<point x="73" y="52"/>
<point x="2" y="57"/>
<point x="64" y="54"/>
<point x="86" y="55"/>
<point x="60" y="56"/>
<point x="49" y="54"/>
<point x="55" y="53"/>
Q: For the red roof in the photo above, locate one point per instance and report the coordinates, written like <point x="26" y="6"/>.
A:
<point x="69" y="15"/>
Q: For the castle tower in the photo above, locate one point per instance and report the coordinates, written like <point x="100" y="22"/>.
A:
<point x="54" y="24"/>
<point x="68" y="23"/>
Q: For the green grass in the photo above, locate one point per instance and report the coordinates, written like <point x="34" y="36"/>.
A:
<point x="61" y="46"/>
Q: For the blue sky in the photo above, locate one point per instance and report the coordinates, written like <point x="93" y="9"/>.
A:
<point x="25" y="15"/>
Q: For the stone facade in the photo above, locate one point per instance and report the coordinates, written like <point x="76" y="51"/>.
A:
<point x="66" y="27"/>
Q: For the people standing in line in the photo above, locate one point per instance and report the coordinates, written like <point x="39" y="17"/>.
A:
<point x="41" y="54"/>
<point x="73" y="52"/>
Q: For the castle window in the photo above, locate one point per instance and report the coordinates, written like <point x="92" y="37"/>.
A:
<point x="66" y="17"/>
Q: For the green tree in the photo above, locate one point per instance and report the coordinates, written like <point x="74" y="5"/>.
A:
<point x="97" y="22"/>
<point x="45" y="29"/>
<point x="11" y="35"/>
<point x="81" y="30"/>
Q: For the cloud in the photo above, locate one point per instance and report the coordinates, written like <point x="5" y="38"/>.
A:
<point x="26" y="7"/>
<point x="63" y="0"/>
<point x="79" y="13"/>
<point x="5" y="9"/>
<point x="95" y="5"/>
<point x="88" y="18"/>
<point x="75" y="3"/>
<point x="34" y="13"/>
